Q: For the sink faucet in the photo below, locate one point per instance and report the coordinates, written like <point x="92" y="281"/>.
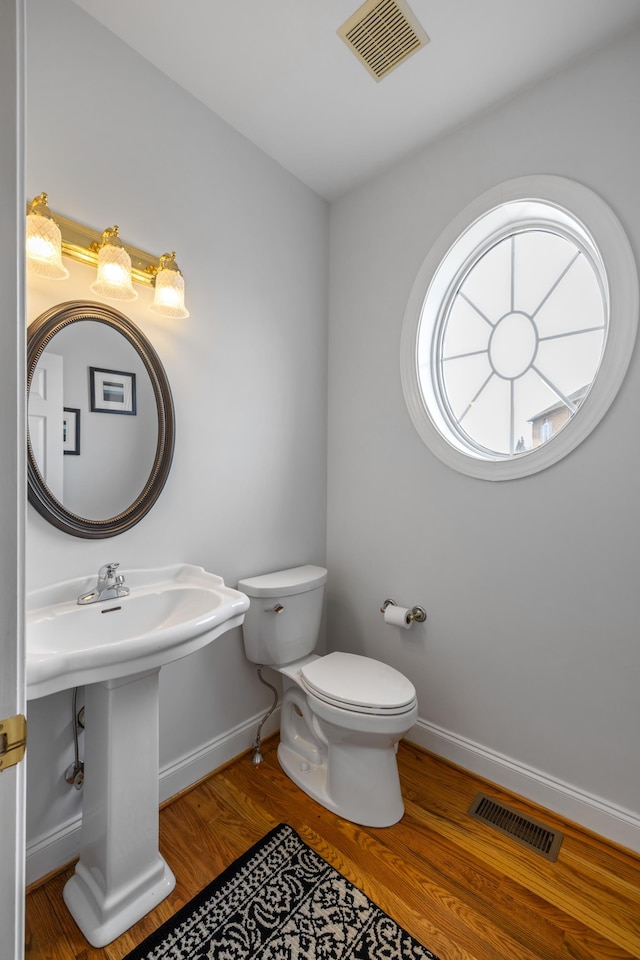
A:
<point x="109" y="586"/>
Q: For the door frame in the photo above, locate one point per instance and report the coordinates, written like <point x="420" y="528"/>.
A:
<point x="12" y="462"/>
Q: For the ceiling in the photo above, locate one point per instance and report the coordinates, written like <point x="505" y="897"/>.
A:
<point x="278" y="73"/>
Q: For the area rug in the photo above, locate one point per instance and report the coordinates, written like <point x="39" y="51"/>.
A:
<point x="281" y="901"/>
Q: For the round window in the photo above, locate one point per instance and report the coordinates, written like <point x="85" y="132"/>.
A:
<point x="511" y="349"/>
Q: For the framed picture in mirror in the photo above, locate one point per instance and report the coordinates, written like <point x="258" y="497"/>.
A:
<point x="112" y="391"/>
<point x="71" y="431"/>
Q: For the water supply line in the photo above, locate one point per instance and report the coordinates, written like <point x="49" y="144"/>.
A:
<point x="257" y="752"/>
<point x="75" y="773"/>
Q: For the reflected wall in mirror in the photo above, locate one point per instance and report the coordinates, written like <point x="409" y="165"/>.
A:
<point x="123" y="461"/>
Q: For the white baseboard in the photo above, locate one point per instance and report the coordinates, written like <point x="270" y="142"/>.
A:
<point x="186" y="771"/>
<point x="52" y="850"/>
<point x="600" y="816"/>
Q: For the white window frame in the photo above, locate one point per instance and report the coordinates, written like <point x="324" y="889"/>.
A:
<point x="616" y="256"/>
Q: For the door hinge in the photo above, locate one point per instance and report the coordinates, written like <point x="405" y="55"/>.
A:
<point x="13" y="741"/>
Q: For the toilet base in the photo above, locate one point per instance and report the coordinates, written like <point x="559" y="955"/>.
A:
<point x="382" y="810"/>
<point x="352" y="773"/>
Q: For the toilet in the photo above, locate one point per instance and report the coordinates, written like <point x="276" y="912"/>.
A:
<point x="342" y="714"/>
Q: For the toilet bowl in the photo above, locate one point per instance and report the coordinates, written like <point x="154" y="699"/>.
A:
<point x="342" y="714"/>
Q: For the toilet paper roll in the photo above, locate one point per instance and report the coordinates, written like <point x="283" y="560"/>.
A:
<point x="397" y="616"/>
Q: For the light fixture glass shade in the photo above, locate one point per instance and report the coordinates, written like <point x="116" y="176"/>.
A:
<point x="44" y="242"/>
<point x="114" y="269"/>
<point x="169" y="283"/>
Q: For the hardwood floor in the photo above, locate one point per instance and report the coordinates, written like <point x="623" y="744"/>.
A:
<point x="462" y="889"/>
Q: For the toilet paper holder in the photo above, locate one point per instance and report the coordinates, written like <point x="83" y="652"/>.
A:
<point x="415" y="615"/>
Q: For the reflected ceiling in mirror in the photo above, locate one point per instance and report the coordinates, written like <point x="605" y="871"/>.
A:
<point x="101" y="420"/>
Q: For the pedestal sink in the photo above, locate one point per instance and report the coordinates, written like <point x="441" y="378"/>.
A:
<point x="116" y="649"/>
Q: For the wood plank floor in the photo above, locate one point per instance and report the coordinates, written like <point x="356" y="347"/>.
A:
<point x="462" y="889"/>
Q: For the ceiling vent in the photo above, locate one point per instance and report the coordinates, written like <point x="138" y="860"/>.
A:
<point x="383" y="33"/>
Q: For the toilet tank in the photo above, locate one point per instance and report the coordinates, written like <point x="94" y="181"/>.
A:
<point x="283" y="619"/>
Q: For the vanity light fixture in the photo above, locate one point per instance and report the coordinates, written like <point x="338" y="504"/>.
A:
<point x="118" y="263"/>
<point x="169" y="283"/>
<point x="44" y="241"/>
<point x="114" y="269"/>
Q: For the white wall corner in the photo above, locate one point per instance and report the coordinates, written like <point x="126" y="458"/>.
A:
<point x="606" y="819"/>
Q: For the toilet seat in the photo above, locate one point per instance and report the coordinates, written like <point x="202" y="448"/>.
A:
<point x="359" y="684"/>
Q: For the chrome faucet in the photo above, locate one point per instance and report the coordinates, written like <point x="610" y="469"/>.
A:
<point x="110" y="586"/>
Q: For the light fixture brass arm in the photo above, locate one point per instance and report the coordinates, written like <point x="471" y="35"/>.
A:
<point x="50" y="236"/>
<point x="82" y="243"/>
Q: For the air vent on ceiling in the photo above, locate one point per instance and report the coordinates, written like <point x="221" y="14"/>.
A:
<point x="531" y="833"/>
<point x="383" y="33"/>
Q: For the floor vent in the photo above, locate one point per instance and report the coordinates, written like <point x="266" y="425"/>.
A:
<point x="530" y="833"/>
<point x="383" y="33"/>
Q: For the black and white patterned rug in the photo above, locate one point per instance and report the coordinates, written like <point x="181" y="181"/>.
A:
<point x="281" y="901"/>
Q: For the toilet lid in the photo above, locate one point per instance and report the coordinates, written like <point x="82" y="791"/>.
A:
<point x="352" y="681"/>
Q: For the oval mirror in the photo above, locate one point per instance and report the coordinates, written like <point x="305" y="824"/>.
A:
<point x="101" y="420"/>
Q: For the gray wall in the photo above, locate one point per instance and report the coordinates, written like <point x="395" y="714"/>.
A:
<point x="114" y="141"/>
<point x="526" y="669"/>
<point x="528" y="666"/>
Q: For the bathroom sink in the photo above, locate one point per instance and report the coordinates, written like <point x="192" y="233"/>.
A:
<point x="115" y="648"/>
<point x="168" y="614"/>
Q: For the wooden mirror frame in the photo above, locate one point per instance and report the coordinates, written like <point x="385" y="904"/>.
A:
<point x="39" y="335"/>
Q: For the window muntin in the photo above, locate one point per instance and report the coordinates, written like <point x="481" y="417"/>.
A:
<point x="524" y="331"/>
<point x="512" y="312"/>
